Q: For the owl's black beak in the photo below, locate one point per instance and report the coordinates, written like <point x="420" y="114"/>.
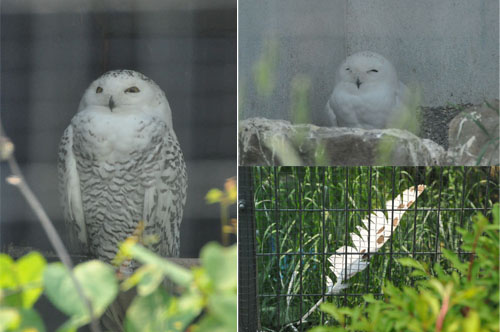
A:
<point x="111" y="104"/>
<point x="358" y="82"/>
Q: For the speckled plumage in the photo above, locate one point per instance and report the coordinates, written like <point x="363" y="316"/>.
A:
<point x="120" y="163"/>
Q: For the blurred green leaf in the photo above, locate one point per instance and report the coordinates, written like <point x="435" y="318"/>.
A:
<point x="174" y="272"/>
<point x="454" y="260"/>
<point x="300" y="87"/>
<point x="472" y="322"/>
<point x="410" y="262"/>
<point x="214" y="196"/>
<point x="333" y="311"/>
<point x="224" y="308"/>
<point x="21" y="281"/>
<point x="325" y="329"/>
<point x="31" y="321"/>
<point x="10" y="319"/>
<point x="30" y="272"/>
<point x="264" y="70"/>
<point x="8" y="275"/>
<point x="158" y="311"/>
<point x="220" y="265"/>
<point x="97" y="281"/>
<point x="472" y="293"/>
<point x="147" y="277"/>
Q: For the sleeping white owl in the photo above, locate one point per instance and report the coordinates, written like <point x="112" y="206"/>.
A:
<point x="367" y="94"/>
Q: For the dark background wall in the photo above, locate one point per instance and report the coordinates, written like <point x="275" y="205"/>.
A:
<point x="50" y="52"/>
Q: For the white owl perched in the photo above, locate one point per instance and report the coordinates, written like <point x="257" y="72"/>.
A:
<point x="367" y="94"/>
<point x="120" y="163"/>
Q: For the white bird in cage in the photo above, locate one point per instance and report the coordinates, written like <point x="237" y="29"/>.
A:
<point x="374" y="233"/>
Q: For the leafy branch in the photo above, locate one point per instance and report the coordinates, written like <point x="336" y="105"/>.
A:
<point x="17" y="179"/>
<point x="466" y="299"/>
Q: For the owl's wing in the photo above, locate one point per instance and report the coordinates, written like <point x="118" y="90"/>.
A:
<point x="69" y="186"/>
<point x="329" y="108"/>
<point x="164" y="201"/>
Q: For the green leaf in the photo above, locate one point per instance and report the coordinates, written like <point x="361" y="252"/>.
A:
<point x="212" y="324"/>
<point x="10" y="319"/>
<point x="174" y="272"/>
<point x="333" y="311"/>
<point x="323" y="329"/>
<point x="97" y="281"/>
<point x="223" y="307"/>
<point x="454" y="260"/>
<point x="466" y="294"/>
<point x="410" y="262"/>
<point x="220" y="264"/>
<point x="148" y="313"/>
<point x="214" y="196"/>
<point x="8" y="277"/>
<point x="496" y="213"/>
<point x="31" y="321"/>
<point x="472" y="322"/>
<point x="369" y="298"/>
<point x="30" y="271"/>
<point x="22" y="279"/>
<point x="158" y="311"/>
<point x="148" y="277"/>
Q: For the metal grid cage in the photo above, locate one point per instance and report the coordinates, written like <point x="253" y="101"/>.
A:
<point x="302" y="215"/>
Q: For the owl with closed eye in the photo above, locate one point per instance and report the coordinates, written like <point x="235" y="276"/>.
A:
<point x="367" y="94"/>
<point x="120" y="166"/>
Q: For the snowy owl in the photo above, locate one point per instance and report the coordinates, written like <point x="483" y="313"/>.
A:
<point x="367" y="94"/>
<point x="120" y="163"/>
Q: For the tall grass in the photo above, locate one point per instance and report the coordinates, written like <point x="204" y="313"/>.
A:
<point x="303" y="215"/>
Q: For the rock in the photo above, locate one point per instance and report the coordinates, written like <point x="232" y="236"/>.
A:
<point x="436" y="121"/>
<point x="277" y="142"/>
<point x="473" y="136"/>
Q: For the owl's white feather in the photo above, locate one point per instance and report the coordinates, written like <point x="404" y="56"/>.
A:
<point x="367" y="94"/>
<point x="120" y="163"/>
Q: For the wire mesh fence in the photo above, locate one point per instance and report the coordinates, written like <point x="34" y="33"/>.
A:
<point x="301" y="216"/>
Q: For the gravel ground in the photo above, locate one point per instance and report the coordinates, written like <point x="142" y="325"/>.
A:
<point x="436" y="122"/>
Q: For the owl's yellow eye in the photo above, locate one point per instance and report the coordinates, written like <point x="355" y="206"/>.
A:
<point x="133" y="89"/>
<point x="98" y="90"/>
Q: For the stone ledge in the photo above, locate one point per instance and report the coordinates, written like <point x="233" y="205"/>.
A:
<point x="278" y="142"/>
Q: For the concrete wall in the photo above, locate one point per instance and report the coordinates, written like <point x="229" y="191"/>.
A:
<point x="309" y="42"/>
<point x="448" y="47"/>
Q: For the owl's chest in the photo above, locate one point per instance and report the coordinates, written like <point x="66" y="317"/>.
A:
<point x="112" y="137"/>
<point x="368" y="108"/>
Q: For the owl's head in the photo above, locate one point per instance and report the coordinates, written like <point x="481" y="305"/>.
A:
<point x="126" y="91"/>
<point x="363" y="69"/>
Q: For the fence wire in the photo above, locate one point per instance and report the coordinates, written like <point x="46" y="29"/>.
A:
<point x="302" y="215"/>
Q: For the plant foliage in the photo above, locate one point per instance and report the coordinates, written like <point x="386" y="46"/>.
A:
<point x="465" y="299"/>
<point x="207" y="300"/>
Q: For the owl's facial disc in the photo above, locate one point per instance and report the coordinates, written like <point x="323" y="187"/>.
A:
<point x="122" y="93"/>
